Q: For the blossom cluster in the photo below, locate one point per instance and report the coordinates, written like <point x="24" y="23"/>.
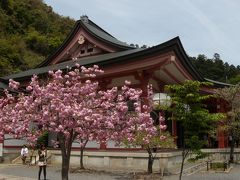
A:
<point x="72" y="105"/>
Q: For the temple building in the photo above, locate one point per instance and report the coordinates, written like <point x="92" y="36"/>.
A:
<point x="160" y="65"/>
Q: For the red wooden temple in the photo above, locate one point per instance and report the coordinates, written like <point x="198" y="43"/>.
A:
<point x="160" y="65"/>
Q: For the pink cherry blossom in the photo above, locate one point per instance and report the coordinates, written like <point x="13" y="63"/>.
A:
<point x="72" y="106"/>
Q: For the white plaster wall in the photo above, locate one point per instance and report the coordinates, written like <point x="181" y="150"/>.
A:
<point x="90" y="144"/>
<point x="1" y="149"/>
<point x="112" y="144"/>
<point x="13" y="142"/>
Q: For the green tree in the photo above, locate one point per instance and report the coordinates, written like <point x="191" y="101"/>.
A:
<point x="235" y="80"/>
<point x="215" y="68"/>
<point x="188" y="109"/>
<point x="29" y="32"/>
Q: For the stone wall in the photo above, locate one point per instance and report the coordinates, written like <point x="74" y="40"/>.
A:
<point x="137" y="161"/>
<point x="127" y="160"/>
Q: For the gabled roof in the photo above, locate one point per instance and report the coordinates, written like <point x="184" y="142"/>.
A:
<point x="174" y="45"/>
<point x="95" y="31"/>
<point x="99" y="33"/>
<point x="85" y="61"/>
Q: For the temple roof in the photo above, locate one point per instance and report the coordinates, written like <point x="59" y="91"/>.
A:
<point x="118" y="57"/>
<point x="95" y="31"/>
<point x="85" y="61"/>
<point x="98" y="32"/>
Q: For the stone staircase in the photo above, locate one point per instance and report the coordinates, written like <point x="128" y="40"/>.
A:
<point x="195" y="168"/>
<point x="32" y="158"/>
<point x="190" y="168"/>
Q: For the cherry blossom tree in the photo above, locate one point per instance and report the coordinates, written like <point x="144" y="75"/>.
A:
<point x="5" y="126"/>
<point x="11" y="116"/>
<point x="71" y="105"/>
<point x="151" y="140"/>
<point x="153" y="137"/>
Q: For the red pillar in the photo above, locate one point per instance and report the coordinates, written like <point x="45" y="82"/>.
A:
<point x="103" y="146"/>
<point x="221" y="134"/>
<point x="221" y="139"/>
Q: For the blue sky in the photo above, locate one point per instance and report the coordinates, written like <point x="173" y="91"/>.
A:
<point x="204" y="26"/>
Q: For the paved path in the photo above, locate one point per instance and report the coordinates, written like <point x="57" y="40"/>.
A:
<point x="24" y="172"/>
<point x="19" y="172"/>
<point x="234" y="174"/>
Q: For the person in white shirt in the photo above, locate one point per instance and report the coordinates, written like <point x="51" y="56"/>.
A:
<point x="24" y="153"/>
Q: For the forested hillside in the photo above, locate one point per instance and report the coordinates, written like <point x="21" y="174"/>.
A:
<point x="29" y="32"/>
<point x="216" y="69"/>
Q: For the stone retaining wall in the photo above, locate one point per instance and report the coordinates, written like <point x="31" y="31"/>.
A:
<point x="132" y="161"/>
<point x="128" y="161"/>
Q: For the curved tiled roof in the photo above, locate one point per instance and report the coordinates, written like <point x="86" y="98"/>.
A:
<point x="117" y="57"/>
<point x="94" y="30"/>
<point x="103" y="35"/>
<point x="174" y="45"/>
<point x="85" y="61"/>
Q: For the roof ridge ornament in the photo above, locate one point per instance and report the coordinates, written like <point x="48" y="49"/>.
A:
<point x="84" y="18"/>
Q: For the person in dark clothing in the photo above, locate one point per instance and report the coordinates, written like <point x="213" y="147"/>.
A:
<point x="42" y="162"/>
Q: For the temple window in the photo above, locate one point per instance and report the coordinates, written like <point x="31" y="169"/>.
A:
<point x="90" y="50"/>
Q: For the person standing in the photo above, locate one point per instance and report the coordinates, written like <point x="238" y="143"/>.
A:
<point x="42" y="162"/>
<point x="24" y="153"/>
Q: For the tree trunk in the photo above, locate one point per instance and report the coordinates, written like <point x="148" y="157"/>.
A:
<point x="81" y="152"/>
<point x="150" y="161"/>
<point x="150" y="164"/>
<point x="184" y="155"/>
<point x="65" y="167"/>
<point x="66" y="147"/>
<point x="231" y="160"/>
<point x="81" y="159"/>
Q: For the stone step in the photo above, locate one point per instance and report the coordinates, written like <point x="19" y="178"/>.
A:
<point x="195" y="168"/>
<point x="189" y="168"/>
